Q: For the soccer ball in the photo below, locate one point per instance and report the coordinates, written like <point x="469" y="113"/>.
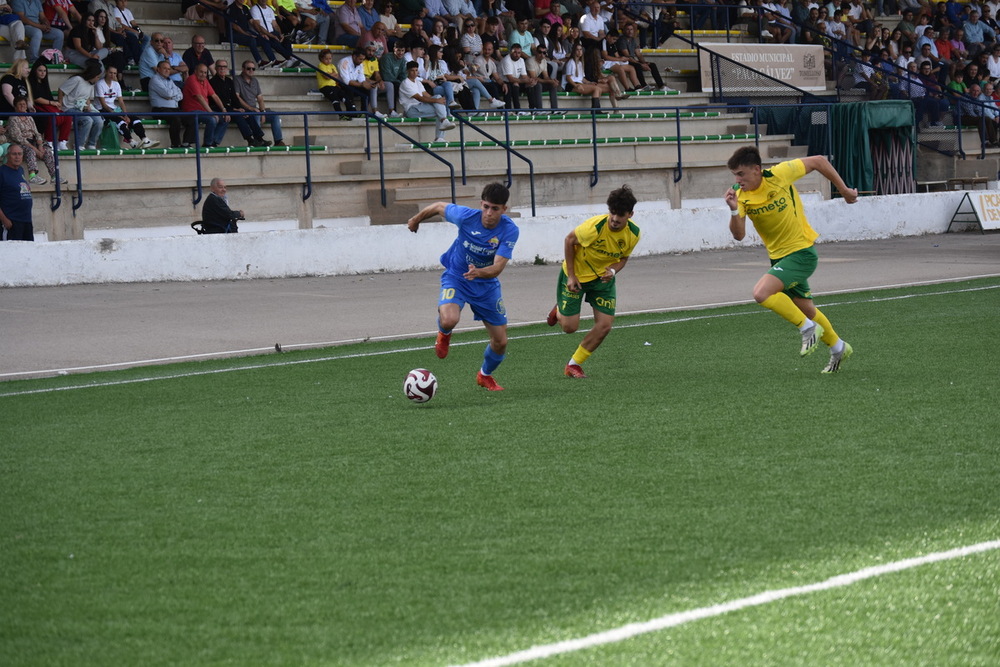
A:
<point x="420" y="385"/>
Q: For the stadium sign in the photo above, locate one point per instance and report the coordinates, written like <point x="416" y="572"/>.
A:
<point x="797" y="65"/>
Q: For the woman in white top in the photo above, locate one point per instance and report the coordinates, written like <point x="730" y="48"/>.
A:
<point x="573" y="80"/>
<point x="438" y="72"/>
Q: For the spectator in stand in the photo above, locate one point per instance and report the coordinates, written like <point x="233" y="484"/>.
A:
<point x="102" y="37"/>
<point x="133" y="34"/>
<point x="575" y="80"/>
<point x="393" y="68"/>
<point x="471" y="42"/>
<point x="618" y="65"/>
<point x="108" y="93"/>
<point x="928" y="97"/>
<point x="418" y="103"/>
<point x="222" y="84"/>
<point x="251" y="99"/>
<point x="83" y="45"/>
<point x="36" y="26"/>
<point x="368" y="14"/>
<point x="198" y="55"/>
<point x="957" y="83"/>
<point x="492" y="33"/>
<point x="987" y="17"/>
<point x="38" y="80"/>
<point x="515" y="71"/>
<point x="486" y="69"/>
<point x="76" y="97"/>
<point x="907" y="27"/>
<point x="14" y="84"/>
<point x="593" y="30"/>
<point x="21" y="130"/>
<point x="477" y="88"/>
<point x="628" y="48"/>
<point x="377" y="35"/>
<point x="958" y="49"/>
<point x="356" y="84"/>
<point x="436" y="36"/>
<point x="975" y="113"/>
<point x="993" y="62"/>
<point x="330" y="86"/>
<point x="439" y="77"/>
<point x="178" y="70"/>
<point x="349" y="26"/>
<point x="974" y="75"/>
<point x="164" y="95"/>
<point x="374" y="74"/>
<point x="265" y="23"/>
<point x="62" y="14"/>
<point x="244" y="34"/>
<point x="15" y="198"/>
<point x="392" y="29"/>
<point x="150" y="59"/>
<point x="555" y="15"/>
<point x="523" y="37"/>
<point x="12" y="29"/>
<point x="460" y="11"/>
<point x="545" y="37"/>
<point x="415" y="36"/>
<point x="538" y="68"/>
<point x="216" y="216"/>
<point x="199" y="96"/>
<point x="978" y="35"/>
<point x="407" y="11"/>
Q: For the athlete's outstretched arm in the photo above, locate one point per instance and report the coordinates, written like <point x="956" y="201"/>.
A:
<point x="822" y="165"/>
<point x="428" y="212"/>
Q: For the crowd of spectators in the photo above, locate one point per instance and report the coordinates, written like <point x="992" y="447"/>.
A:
<point x="470" y="53"/>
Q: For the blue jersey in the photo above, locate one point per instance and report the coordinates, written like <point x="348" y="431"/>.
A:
<point x="476" y="244"/>
<point x="15" y="194"/>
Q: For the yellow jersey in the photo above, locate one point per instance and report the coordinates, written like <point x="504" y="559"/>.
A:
<point x="598" y="247"/>
<point x="775" y="210"/>
<point x="324" y="81"/>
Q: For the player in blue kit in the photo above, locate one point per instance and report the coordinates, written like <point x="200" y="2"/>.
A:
<point x="485" y="242"/>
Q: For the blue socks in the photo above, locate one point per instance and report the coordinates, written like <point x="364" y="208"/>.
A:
<point x="491" y="360"/>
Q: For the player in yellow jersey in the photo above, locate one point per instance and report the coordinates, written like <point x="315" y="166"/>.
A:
<point x="596" y="251"/>
<point x="769" y="198"/>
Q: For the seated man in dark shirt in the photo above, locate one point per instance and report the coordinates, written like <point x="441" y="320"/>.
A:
<point x="216" y="216"/>
<point x="222" y="84"/>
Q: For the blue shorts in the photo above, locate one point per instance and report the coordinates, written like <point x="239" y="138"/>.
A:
<point x="483" y="296"/>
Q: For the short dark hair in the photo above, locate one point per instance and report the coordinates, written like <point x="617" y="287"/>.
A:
<point x="496" y="193"/>
<point x="747" y="156"/>
<point x="621" y="201"/>
<point x="412" y="65"/>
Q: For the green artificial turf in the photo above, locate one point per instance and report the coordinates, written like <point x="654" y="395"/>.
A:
<point x="297" y="509"/>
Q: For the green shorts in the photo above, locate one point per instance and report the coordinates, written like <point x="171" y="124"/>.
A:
<point x="600" y="295"/>
<point x="794" y="270"/>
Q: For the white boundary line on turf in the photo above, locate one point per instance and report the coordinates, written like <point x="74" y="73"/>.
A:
<point x="360" y="355"/>
<point x="228" y="354"/>
<point x="673" y="620"/>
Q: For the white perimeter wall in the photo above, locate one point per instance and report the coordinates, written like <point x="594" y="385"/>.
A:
<point x="367" y="249"/>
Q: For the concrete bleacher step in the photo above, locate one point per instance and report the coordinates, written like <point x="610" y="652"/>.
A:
<point x="371" y="167"/>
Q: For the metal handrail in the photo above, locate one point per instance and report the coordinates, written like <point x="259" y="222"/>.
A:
<point x="463" y="122"/>
<point x="381" y="156"/>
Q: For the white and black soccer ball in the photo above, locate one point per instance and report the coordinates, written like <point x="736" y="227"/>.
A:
<point x="420" y="385"/>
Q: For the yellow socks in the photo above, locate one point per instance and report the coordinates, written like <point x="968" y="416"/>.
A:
<point x="783" y="305"/>
<point x="581" y="355"/>
<point x="829" y="336"/>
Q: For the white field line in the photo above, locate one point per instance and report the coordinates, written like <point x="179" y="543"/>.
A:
<point x="673" y="620"/>
<point x="359" y="355"/>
